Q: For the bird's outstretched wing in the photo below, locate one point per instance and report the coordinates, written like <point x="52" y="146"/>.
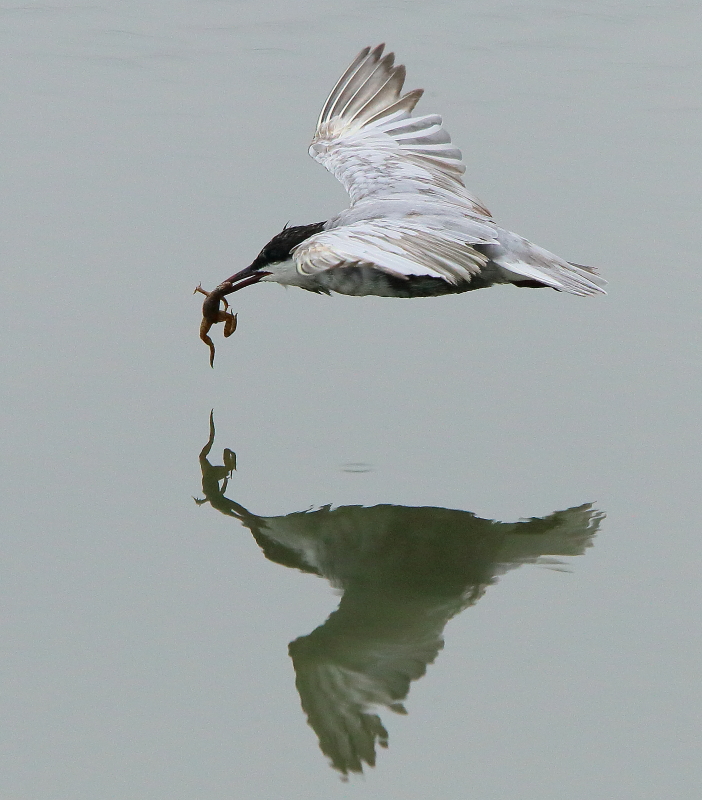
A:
<point x="367" y="138"/>
<point x="411" y="214"/>
<point x="401" y="247"/>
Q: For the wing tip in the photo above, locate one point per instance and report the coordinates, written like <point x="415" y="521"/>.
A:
<point x="347" y="94"/>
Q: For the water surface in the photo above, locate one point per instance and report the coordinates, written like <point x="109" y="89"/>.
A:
<point x="149" y="146"/>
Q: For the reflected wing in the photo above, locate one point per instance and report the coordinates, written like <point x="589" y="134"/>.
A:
<point x="367" y="138"/>
<point x="344" y="675"/>
<point x="333" y="700"/>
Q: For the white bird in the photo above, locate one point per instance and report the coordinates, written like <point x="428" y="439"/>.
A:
<point x="412" y="229"/>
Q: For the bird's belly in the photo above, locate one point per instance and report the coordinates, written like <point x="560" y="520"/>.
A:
<point x="361" y="281"/>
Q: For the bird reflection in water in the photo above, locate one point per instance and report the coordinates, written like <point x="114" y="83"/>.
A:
<point x="403" y="572"/>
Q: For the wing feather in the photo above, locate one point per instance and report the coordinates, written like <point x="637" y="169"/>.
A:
<point x="367" y="138"/>
<point x="341" y="83"/>
<point x="378" y="84"/>
<point x="519" y="257"/>
<point x="399" y="247"/>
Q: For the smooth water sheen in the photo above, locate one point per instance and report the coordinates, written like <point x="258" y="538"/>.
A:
<point x="396" y="460"/>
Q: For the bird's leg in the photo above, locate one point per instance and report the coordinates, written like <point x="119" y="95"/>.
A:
<point x="212" y="314"/>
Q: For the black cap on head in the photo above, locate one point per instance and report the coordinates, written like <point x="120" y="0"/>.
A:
<point x="281" y="245"/>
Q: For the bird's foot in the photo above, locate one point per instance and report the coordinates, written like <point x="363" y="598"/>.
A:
<point x="212" y="314"/>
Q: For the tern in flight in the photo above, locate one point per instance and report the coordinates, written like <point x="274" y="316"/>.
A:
<point x="412" y="229"/>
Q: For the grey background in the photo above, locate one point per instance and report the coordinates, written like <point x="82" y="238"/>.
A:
<point x="147" y="146"/>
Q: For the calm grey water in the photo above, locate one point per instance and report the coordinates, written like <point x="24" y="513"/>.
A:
<point x="157" y="647"/>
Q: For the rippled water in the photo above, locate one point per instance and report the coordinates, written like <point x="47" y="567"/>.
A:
<point x="408" y="454"/>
